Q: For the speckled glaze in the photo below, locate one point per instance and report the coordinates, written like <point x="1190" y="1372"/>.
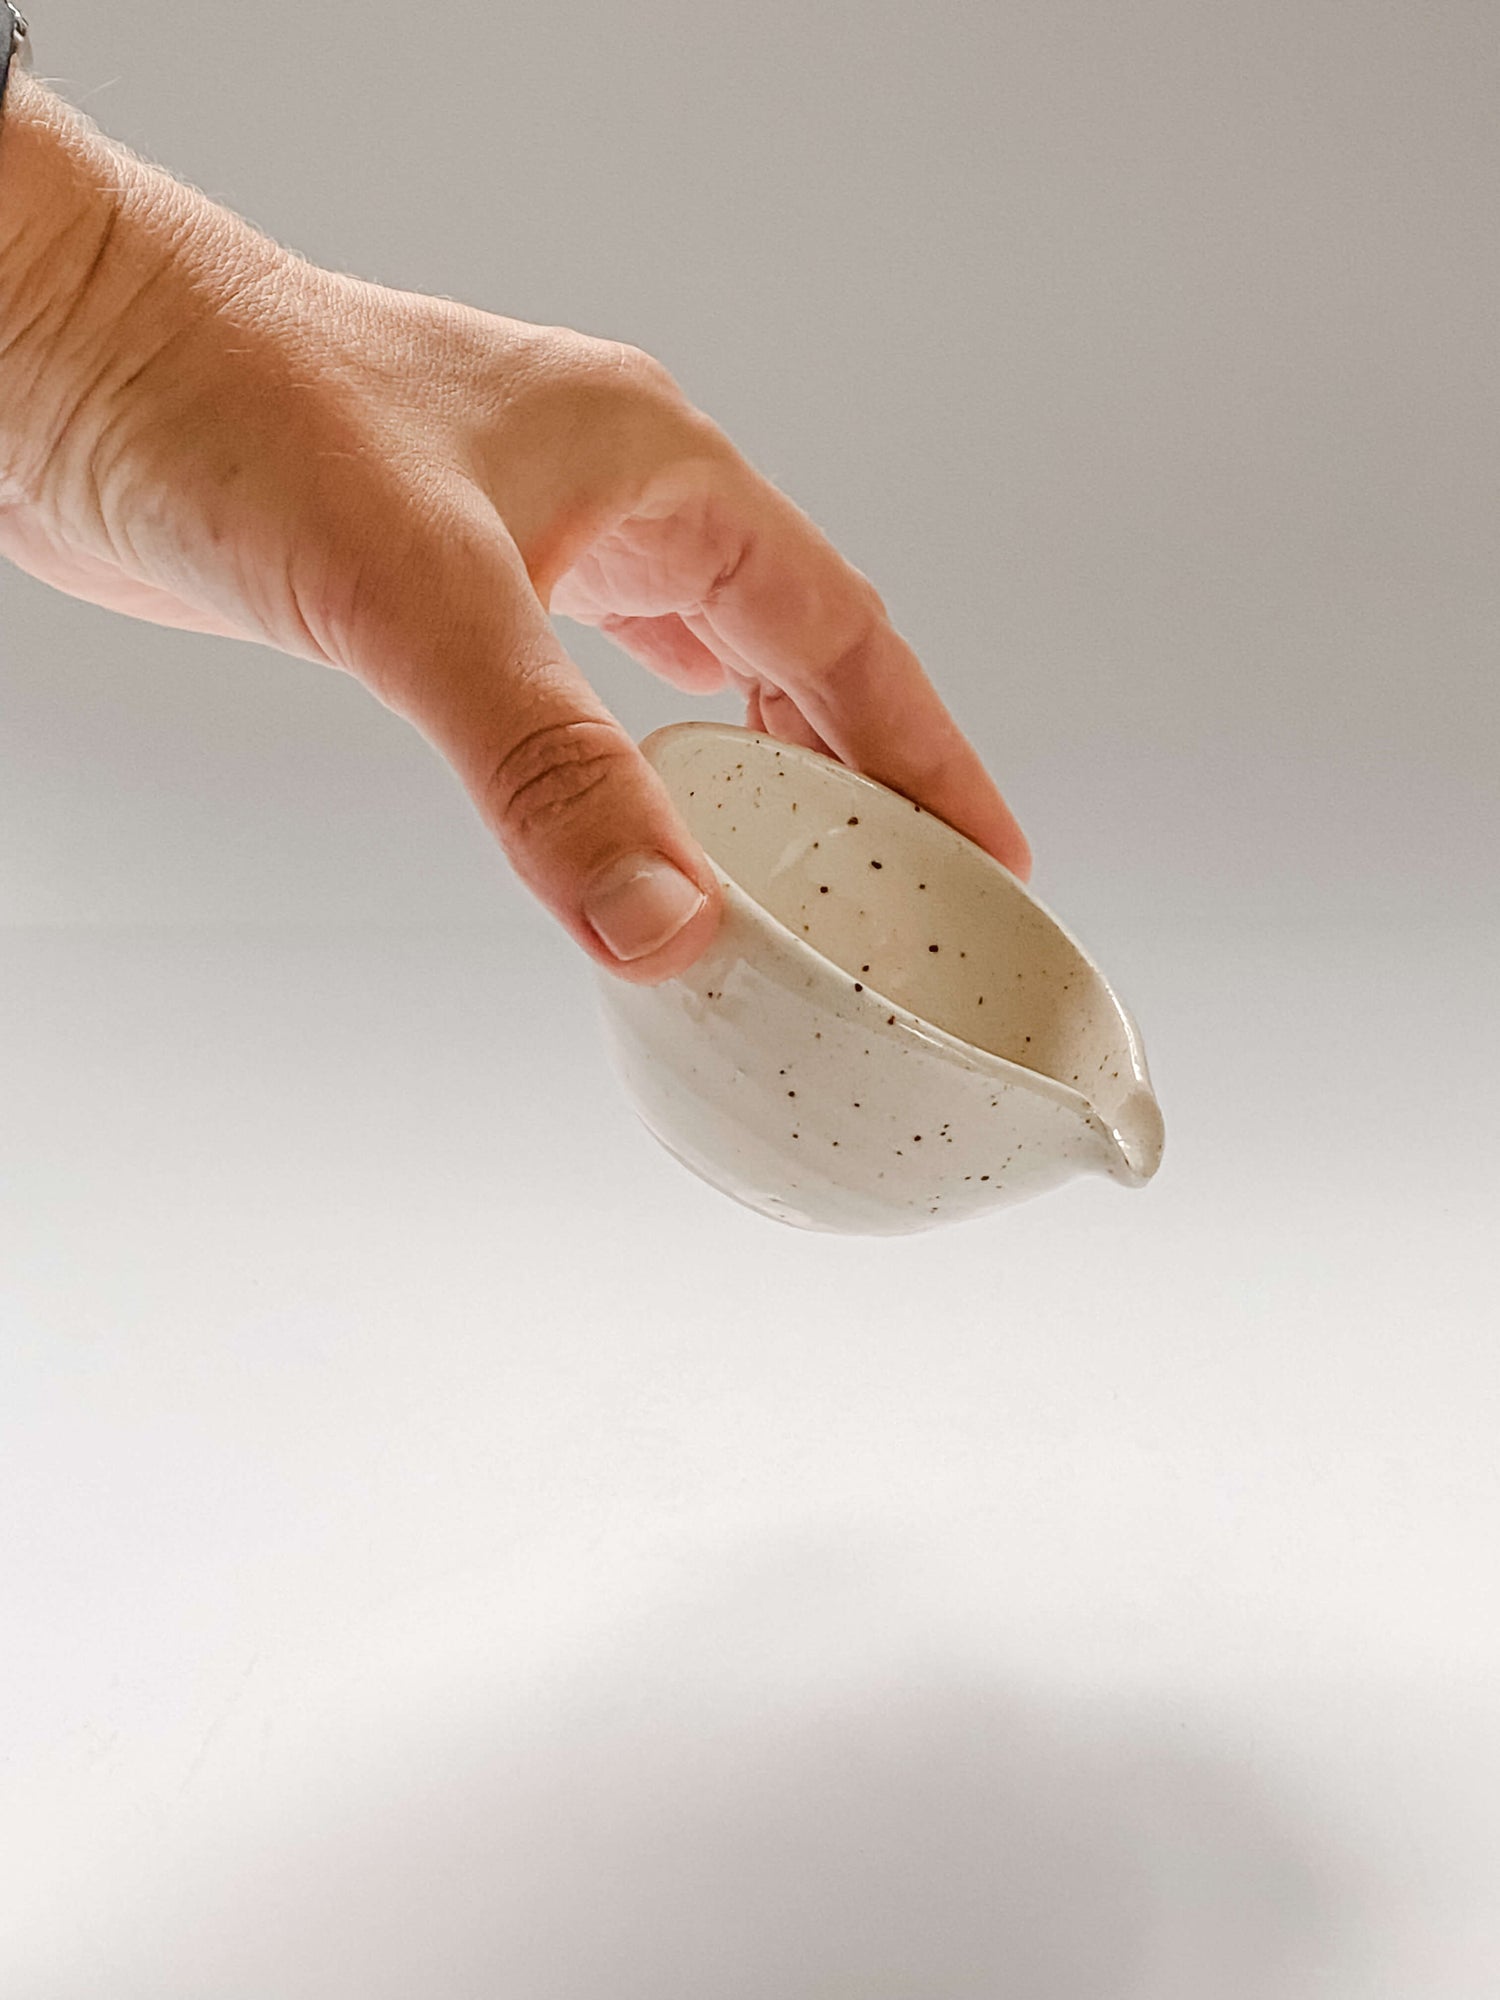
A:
<point x="889" y="1032"/>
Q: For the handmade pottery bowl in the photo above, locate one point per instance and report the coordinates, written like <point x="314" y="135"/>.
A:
<point x="888" y="1032"/>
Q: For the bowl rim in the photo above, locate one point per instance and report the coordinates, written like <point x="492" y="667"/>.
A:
<point x="969" y="1054"/>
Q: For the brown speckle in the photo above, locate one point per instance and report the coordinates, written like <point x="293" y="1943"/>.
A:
<point x="932" y="947"/>
<point x="877" y="864"/>
<point x="791" y="1093"/>
<point x="857" y="987"/>
<point x="855" y="820"/>
<point x="890" y="1020"/>
<point x="822" y="888"/>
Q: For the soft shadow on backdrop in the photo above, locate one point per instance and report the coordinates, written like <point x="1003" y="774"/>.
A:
<point x="768" y="1774"/>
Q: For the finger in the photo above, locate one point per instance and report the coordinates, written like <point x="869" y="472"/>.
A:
<point x="585" y="821"/>
<point x="806" y="621"/>
<point x="771" y="711"/>
<point x="667" y="646"/>
<point x="778" y="715"/>
<point x="782" y="719"/>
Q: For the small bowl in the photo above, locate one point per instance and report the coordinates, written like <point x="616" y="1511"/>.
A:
<point x="888" y="1032"/>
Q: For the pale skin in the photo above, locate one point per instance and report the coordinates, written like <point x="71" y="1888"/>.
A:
<point x="200" y="428"/>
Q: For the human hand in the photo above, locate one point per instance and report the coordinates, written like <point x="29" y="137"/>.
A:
<point x="199" y="428"/>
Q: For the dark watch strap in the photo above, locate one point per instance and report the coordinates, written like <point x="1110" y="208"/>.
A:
<point x="15" y="45"/>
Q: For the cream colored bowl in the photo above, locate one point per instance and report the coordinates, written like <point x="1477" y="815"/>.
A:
<point x="888" y="1032"/>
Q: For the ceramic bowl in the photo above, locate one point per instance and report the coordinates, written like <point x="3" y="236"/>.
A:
<point x="888" y="1032"/>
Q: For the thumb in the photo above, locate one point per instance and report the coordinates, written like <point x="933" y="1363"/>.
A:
<point x="585" y="821"/>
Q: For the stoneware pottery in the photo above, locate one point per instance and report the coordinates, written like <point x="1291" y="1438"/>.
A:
<point x="888" y="1032"/>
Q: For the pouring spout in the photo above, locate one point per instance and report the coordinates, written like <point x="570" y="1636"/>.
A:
<point x="1138" y="1135"/>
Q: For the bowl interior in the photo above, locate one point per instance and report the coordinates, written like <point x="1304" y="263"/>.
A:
<point x="900" y="903"/>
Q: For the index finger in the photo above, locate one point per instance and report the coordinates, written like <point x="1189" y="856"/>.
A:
<point x="807" y="621"/>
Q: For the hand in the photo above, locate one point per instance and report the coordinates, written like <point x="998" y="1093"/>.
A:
<point x="218" y="435"/>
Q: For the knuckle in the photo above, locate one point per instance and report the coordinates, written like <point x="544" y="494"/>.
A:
<point x="546" y="777"/>
<point x="614" y="368"/>
<point x="600" y="409"/>
<point x="634" y="364"/>
<point x="646" y="372"/>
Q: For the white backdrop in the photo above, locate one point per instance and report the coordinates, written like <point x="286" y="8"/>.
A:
<point x="446" y="1550"/>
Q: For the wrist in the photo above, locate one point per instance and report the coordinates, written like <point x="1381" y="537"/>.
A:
<point x="104" y="261"/>
<point x="58" y="211"/>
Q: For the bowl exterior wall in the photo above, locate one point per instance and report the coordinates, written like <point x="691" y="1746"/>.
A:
<point x="766" y="1071"/>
